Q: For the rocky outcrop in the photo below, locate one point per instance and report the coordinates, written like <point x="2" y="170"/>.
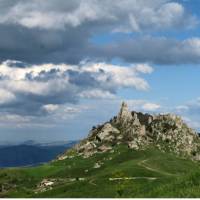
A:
<point x="170" y="133"/>
<point x="124" y="117"/>
<point x="107" y="133"/>
<point x="138" y="131"/>
<point x="45" y="184"/>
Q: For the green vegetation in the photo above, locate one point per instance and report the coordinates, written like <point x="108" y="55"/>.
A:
<point x="121" y="173"/>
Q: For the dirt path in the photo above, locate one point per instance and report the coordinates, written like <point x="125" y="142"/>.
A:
<point x="132" y="178"/>
<point x="143" y="164"/>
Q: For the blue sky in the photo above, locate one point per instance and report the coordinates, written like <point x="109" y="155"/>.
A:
<point x="67" y="65"/>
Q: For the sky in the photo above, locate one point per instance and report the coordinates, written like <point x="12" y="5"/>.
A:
<point x="66" y="66"/>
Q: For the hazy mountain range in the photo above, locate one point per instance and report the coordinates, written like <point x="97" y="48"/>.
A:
<point x="31" y="152"/>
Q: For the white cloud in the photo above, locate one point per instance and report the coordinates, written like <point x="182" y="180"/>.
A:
<point x="71" y="109"/>
<point x="47" y="79"/>
<point x="6" y="96"/>
<point x="40" y="92"/>
<point x="97" y="94"/>
<point x="14" y="120"/>
<point x="143" y="68"/>
<point x="151" y="107"/>
<point x="143" y="105"/>
<point x="192" y="44"/>
<point x="182" y="108"/>
<point x="121" y="76"/>
<point x="50" y="107"/>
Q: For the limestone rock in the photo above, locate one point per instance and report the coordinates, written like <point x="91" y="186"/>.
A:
<point x="170" y="131"/>
<point x="45" y="184"/>
<point x="107" y="132"/>
<point x="88" y="146"/>
<point x="97" y="165"/>
<point x="104" y="148"/>
<point x="124" y="115"/>
<point x="167" y="132"/>
<point x="133" y="145"/>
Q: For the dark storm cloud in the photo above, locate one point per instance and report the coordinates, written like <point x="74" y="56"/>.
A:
<point x="85" y="79"/>
<point x="59" y="31"/>
<point x="37" y="46"/>
<point x="32" y="105"/>
<point x="156" y="50"/>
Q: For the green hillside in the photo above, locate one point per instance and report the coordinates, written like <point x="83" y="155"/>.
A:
<point x="121" y="173"/>
<point x="132" y="155"/>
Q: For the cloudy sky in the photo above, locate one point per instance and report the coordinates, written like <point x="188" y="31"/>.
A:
<point x="67" y="65"/>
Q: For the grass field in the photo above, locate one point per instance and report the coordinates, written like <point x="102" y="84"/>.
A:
<point x="123" y="173"/>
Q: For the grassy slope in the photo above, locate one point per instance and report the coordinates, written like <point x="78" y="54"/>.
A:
<point x="173" y="176"/>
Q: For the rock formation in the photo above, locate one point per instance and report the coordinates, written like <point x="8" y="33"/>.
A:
<point x="139" y="131"/>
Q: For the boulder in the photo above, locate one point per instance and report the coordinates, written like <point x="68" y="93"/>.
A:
<point x="97" y="165"/>
<point x="104" y="148"/>
<point x="87" y="146"/>
<point x="133" y="145"/>
<point x="107" y="133"/>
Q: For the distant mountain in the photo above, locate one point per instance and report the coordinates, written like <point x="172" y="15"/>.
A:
<point x="31" y="153"/>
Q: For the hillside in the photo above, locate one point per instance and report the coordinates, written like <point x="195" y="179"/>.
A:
<point x="123" y="173"/>
<point x="166" y="132"/>
<point x="132" y="155"/>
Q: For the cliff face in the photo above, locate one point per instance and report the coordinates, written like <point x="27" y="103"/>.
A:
<point x="137" y="130"/>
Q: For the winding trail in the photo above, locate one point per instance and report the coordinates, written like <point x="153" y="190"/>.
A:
<point x="143" y="164"/>
<point x="132" y="178"/>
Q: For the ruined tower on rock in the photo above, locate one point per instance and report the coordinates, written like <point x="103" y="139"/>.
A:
<point x="124" y="115"/>
<point x="137" y="130"/>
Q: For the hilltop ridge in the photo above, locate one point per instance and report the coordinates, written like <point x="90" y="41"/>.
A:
<point x="131" y="155"/>
<point x="166" y="132"/>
